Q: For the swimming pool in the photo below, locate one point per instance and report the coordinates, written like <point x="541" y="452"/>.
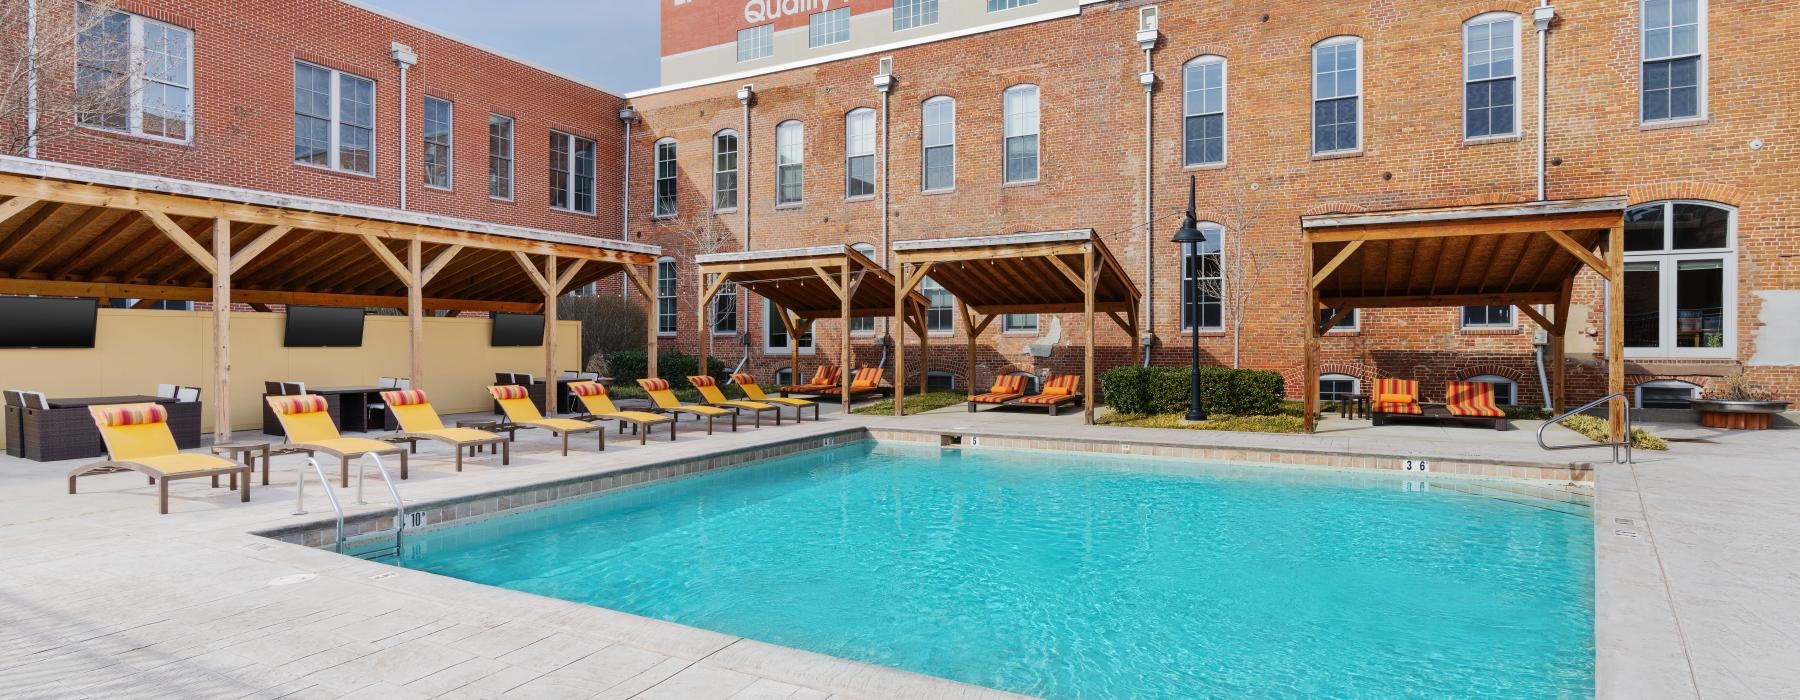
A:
<point x="1073" y="575"/>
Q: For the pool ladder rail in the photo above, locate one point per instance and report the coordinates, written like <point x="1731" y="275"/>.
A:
<point x="1592" y="404"/>
<point x="337" y="544"/>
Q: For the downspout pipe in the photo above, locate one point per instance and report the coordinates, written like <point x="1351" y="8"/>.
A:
<point x="884" y="84"/>
<point x="1541" y="17"/>
<point x="745" y="95"/>
<point x="31" y="80"/>
<point x="1147" y="41"/>
<point x="628" y="115"/>
<point x="404" y="58"/>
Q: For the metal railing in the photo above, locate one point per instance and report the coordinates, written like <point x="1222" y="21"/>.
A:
<point x="336" y="507"/>
<point x="1614" y="445"/>
<point x="337" y="545"/>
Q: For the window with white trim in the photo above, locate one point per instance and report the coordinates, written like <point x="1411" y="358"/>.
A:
<point x="775" y="335"/>
<point x="1666" y="393"/>
<point x="998" y="5"/>
<point x="1337" y="95"/>
<point x="790" y="161"/>
<point x="859" y="153"/>
<point x="1674" y="59"/>
<point x="1349" y="322"/>
<point x="1203" y="111"/>
<point x="863" y="324"/>
<point x="939" y="144"/>
<point x="571" y="173"/>
<point x="828" y="27"/>
<point x="334" y="119"/>
<point x="725" y="309"/>
<point x="133" y="74"/>
<point x="755" y="43"/>
<point x="438" y="141"/>
<point x="1506" y="391"/>
<point x="665" y="178"/>
<point x="1205" y="264"/>
<point x="725" y="170"/>
<point x="1499" y="316"/>
<point x="939" y="380"/>
<point x="1491" y="75"/>
<point x="665" y="296"/>
<point x="1680" y="280"/>
<point x="1019" y="323"/>
<point x="500" y="156"/>
<point x="1337" y="387"/>
<point x="940" y="316"/>
<point x="1019" y="112"/>
<point x="914" y="13"/>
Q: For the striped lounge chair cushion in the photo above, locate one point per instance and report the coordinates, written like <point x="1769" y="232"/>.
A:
<point x="866" y="378"/>
<point x="654" y="384"/>
<point x="1471" y="399"/>
<point x="134" y="414"/>
<point x="298" y="405"/>
<point x="1396" y="396"/>
<point x="742" y="378"/>
<point x="702" y="381"/>
<point x="587" y="389"/>
<point x="404" y="397"/>
<point x="1006" y="388"/>
<point x="1060" y="388"/>
<point x="510" y="391"/>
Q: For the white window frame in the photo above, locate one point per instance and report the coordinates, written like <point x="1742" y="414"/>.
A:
<point x="728" y="292"/>
<point x="1669" y="260"/>
<point x="1637" y="392"/>
<point x="828" y="28"/>
<point x="1517" y="47"/>
<point x="1702" y="69"/>
<point x="859" y="118"/>
<point x="868" y="251"/>
<point x="1017" y="324"/>
<point x="660" y="178"/>
<point x="1512" y="317"/>
<point x="736" y="154"/>
<point x="511" y="141"/>
<point x="1215" y="233"/>
<point x="1355" y="384"/>
<point x="1499" y="380"/>
<point x="926" y="286"/>
<point x="668" y="296"/>
<point x="790" y="144"/>
<point x="914" y="14"/>
<point x="1004" y="5"/>
<point x="1355" y="319"/>
<point x="335" y="150"/>
<point x="1188" y="91"/>
<point x="570" y="167"/>
<point x="1008" y="133"/>
<point x="926" y="146"/>
<point x="809" y="346"/>
<point x="449" y="144"/>
<point x="138" y="79"/>
<point x="1361" y="113"/>
<point x="761" y="43"/>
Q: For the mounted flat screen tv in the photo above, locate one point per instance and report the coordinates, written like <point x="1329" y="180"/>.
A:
<point x="47" y="322"/>
<point x="514" y="330"/>
<point x="324" y="327"/>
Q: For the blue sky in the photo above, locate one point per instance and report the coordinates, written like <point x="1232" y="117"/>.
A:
<point x="611" y="43"/>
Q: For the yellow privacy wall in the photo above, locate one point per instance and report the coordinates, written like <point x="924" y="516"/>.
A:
<point x="135" y="350"/>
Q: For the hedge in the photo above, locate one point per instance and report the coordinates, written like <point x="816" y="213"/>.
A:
<point x="1160" y="390"/>
<point x="628" y="366"/>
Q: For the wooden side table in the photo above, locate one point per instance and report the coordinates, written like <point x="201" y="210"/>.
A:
<point x="245" y="452"/>
<point x="491" y="425"/>
<point x="1354" y="406"/>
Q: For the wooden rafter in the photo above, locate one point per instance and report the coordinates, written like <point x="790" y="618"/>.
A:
<point x="1580" y="252"/>
<point x="438" y="264"/>
<point x="256" y="247"/>
<point x="181" y="239"/>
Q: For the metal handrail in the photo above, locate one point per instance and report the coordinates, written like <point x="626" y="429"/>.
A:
<point x="393" y="492"/>
<point x="1614" y="445"/>
<point x="300" y="498"/>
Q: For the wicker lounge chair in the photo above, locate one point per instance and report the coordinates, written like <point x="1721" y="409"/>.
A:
<point x="1058" y="390"/>
<point x="516" y="402"/>
<point x="419" y="421"/>
<point x="1394" y="397"/>
<point x="825" y="378"/>
<point x="866" y="381"/>
<point x="138" y="438"/>
<point x="1007" y="387"/>
<point x="712" y="396"/>
<point x="599" y="406"/>
<point x="665" y="400"/>
<point x="308" y="425"/>
<point x="755" y="393"/>
<point x="1473" y="402"/>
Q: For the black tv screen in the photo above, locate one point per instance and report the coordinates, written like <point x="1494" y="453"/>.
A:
<point x="324" y="327"/>
<point x="518" y="329"/>
<point x="47" y="322"/>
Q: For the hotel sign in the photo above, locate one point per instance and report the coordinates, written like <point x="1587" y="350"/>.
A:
<point x="764" y="11"/>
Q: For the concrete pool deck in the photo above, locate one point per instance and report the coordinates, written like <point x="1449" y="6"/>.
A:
<point x="102" y="597"/>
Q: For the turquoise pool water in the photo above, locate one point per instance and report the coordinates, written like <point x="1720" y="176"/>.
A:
<point x="1078" y="576"/>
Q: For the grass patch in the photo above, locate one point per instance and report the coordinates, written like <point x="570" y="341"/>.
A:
<point x="1599" y="430"/>
<point x="915" y="403"/>
<point x="1289" y="421"/>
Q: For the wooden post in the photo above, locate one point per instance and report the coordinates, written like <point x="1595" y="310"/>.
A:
<point x="1559" y="320"/>
<point x="1090" y="276"/>
<point x="1615" y="330"/>
<point x="899" y="339"/>
<point x="924" y="352"/>
<point x="650" y="302"/>
<point x="970" y="377"/>
<point x="704" y="311"/>
<point x="221" y="301"/>
<point x="1309" y="316"/>
<point x="844" y="335"/>
<point x="551" y="291"/>
<point x="415" y="313"/>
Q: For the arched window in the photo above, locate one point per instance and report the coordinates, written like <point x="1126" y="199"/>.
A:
<point x="665" y="177"/>
<point x="1680" y="280"/>
<point x="1666" y="393"/>
<point x="1019" y="112"/>
<point x="1506" y="391"/>
<point x="665" y="296"/>
<point x="1491" y="76"/>
<point x="939" y="144"/>
<point x="1337" y="387"/>
<point x="725" y="170"/>
<point x="1337" y="95"/>
<point x="864" y="324"/>
<point x="1203" y="111"/>
<point x="1204" y="264"/>
<point x="790" y="158"/>
<point x="1674" y="60"/>
<point x="859" y="153"/>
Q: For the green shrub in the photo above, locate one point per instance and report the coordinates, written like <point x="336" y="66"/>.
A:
<point x="628" y="366"/>
<point x="1599" y="430"/>
<point x="1160" y="390"/>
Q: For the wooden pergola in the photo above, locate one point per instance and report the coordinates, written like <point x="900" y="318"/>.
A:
<point x="1052" y="272"/>
<point x="85" y="232"/>
<point x="804" y="285"/>
<point x="1519" y="254"/>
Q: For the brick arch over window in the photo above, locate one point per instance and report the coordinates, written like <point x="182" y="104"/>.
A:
<point x="1704" y="191"/>
<point x="1335" y="208"/>
<point x="1204" y="50"/>
<point x="1355" y="30"/>
<point x="1294" y="376"/>
<point x="1517" y="7"/>
<point x="1464" y="372"/>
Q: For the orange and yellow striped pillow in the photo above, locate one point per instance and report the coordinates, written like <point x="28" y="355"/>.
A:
<point x="654" y="384"/>
<point x="297" y="405"/>
<point x="587" y="389"/>
<point x="130" y="414"/>
<point x="510" y="391"/>
<point x="702" y="381"/>
<point x="404" y="397"/>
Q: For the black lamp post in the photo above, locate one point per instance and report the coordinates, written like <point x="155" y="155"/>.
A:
<point x="1190" y="239"/>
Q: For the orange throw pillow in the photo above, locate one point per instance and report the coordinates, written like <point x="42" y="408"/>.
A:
<point x="1395" y="398"/>
<point x="1058" y="391"/>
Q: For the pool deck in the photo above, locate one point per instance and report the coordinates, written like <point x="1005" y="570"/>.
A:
<point x="101" y="597"/>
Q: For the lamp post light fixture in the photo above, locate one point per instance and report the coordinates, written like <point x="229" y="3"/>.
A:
<point x="1191" y="238"/>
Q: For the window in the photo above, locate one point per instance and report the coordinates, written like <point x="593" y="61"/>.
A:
<point x="755" y="43"/>
<point x="859" y="153"/>
<point x="1337" y="95"/>
<point x="665" y="177"/>
<point x="827" y="28"/>
<point x="914" y="13"/>
<point x="863" y="324"/>
<point x="665" y="296"/>
<point x="500" y="157"/>
<point x="437" y="142"/>
<point x="1506" y="391"/>
<point x="725" y="310"/>
<point x="1337" y="387"/>
<point x="1491" y="75"/>
<point x="1487" y="317"/>
<point x="1021" y="117"/>
<point x="1349" y="322"/>
<point x="324" y="99"/>
<point x="1674" y="59"/>
<point x="790" y="157"/>
<point x="775" y="335"/>
<point x="725" y="170"/>
<point x="1666" y="393"/>
<point x="1680" y="280"/>
<point x="571" y="173"/>
<point x="1203" y="111"/>
<point x="1205" y="264"/>
<point x="1019" y="323"/>
<point x="941" y="316"/>
<point x="937" y="380"/>
<point x="939" y="116"/>
<point x="998" y="5"/>
<point x="134" y="74"/>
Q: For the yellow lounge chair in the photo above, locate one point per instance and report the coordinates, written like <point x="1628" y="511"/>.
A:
<point x="825" y="377"/>
<point x="419" y="421"/>
<point x="1006" y="388"/>
<point x="755" y="393"/>
<point x="515" y="400"/>
<point x="308" y="426"/>
<point x="137" y="437"/>
<point x="866" y="381"/>
<point x="712" y="396"/>
<point x="665" y="400"/>
<point x="1058" y="390"/>
<point x="599" y="406"/>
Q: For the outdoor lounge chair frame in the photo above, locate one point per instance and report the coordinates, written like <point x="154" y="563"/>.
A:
<point x="502" y="443"/>
<point x="753" y="390"/>
<point x="639" y="426"/>
<point x="343" y="456"/>
<point x="756" y="408"/>
<point x="543" y="423"/>
<point x="679" y="409"/>
<point x="239" y="473"/>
